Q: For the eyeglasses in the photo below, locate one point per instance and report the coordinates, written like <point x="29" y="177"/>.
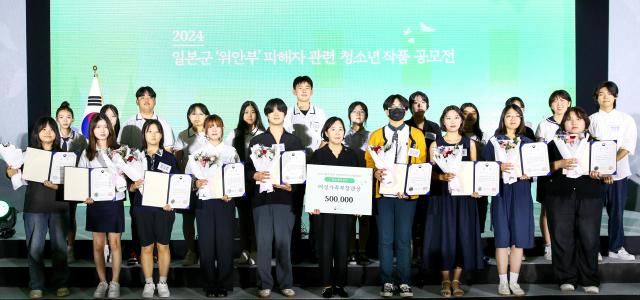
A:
<point x="512" y="116"/>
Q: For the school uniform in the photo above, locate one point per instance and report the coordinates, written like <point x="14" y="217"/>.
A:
<point x="306" y="126"/>
<point x="131" y="135"/>
<point x="483" y="202"/>
<point x="546" y="131"/>
<point x="76" y="143"/>
<point x="395" y="216"/>
<point x="43" y="214"/>
<point x="616" y="125"/>
<point x="189" y="141"/>
<point x="243" y="204"/>
<point x="452" y="230"/>
<point x="512" y="209"/>
<point x="154" y="224"/>
<point x="574" y="211"/>
<point x="334" y="230"/>
<point x="214" y="218"/>
<point x="358" y="141"/>
<point x="103" y="216"/>
<point x="273" y="218"/>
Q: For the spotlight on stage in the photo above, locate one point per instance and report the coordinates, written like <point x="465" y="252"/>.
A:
<point x="7" y="220"/>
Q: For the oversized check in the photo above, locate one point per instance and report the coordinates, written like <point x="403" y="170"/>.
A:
<point x="339" y="190"/>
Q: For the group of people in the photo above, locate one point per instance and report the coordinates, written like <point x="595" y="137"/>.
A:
<point x="441" y="229"/>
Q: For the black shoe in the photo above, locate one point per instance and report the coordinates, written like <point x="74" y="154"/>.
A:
<point x="327" y="292"/>
<point x="222" y="293"/>
<point x="340" y="292"/>
<point x="364" y="260"/>
<point x="353" y="260"/>
<point x="210" y="294"/>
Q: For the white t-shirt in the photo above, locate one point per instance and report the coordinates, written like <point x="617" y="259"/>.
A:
<point x="547" y="130"/>
<point x="308" y="128"/>
<point x="131" y="132"/>
<point x="616" y="125"/>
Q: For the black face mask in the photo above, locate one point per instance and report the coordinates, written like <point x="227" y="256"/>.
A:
<point x="397" y="114"/>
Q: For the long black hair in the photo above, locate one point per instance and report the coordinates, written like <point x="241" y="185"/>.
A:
<point x="476" y="126"/>
<point x="34" y="137"/>
<point x="114" y="109"/>
<point x="502" y="127"/>
<point x="242" y="128"/>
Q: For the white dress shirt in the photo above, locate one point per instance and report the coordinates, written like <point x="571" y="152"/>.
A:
<point x="616" y="125"/>
<point x="131" y="132"/>
<point x="308" y="128"/>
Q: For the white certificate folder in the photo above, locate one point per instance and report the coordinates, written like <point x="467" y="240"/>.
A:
<point x="161" y="189"/>
<point x="41" y="165"/>
<point x="78" y="185"/>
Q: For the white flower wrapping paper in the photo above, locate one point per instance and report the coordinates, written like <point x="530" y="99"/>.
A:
<point x="384" y="158"/>
<point x="507" y="156"/>
<point x="571" y="152"/>
<point x="263" y="159"/>
<point x="448" y="158"/>
<point x="14" y="158"/>
<point x="204" y="171"/>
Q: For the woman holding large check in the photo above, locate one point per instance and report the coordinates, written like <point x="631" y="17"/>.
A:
<point x="574" y="205"/>
<point x="452" y="230"/>
<point x="512" y="209"/>
<point x="215" y="209"/>
<point x="334" y="229"/>
<point x="105" y="210"/>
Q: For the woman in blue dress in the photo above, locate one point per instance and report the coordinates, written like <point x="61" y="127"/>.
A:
<point x="512" y="209"/>
<point x="452" y="231"/>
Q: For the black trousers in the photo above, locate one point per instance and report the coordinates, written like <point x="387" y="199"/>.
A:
<point x="245" y="224"/>
<point x="135" y="239"/>
<point x="214" y="219"/>
<point x="334" y="233"/>
<point x="574" y="224"/>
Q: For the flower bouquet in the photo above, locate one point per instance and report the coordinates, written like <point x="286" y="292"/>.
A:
<point x="132" y="163"/>
<point x="508" y="151"/>
<point x="384" y="159"/>
<point x="573" y="146"/>
<point x="203" y="165"/>
<point x="13" y="156"/>
<point x="263" y="158"/>
<point x="116" y="178"/>
<point x="448" y="158"/>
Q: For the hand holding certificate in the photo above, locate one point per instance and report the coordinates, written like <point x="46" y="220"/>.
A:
<point x="464" y="179"/>
<point x="338" y="190"/>
<point x="508" y="151"/>
<point x="41" y="165"/>
<point x="384" y="158"/>
<point x="293" y="167"/>
<point x="83" y="183"/>
<point x="394" y="180"/>
<point x="14" y="158"/>
<point x="574" y="146"/>
<point x="418" y="179"/>
<point x="162" y="189"/>
<point x="233" y="180"/>
<point x="603" y="157"/>
<point x="205" y="166"/>
<point x="535" y="159"/>
<point x="486" y="178"/>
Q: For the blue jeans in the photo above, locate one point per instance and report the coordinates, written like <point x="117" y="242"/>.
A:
<point x="615" y="199"/>
<point x="395" y="219"/>
<point x="36" y="226"/>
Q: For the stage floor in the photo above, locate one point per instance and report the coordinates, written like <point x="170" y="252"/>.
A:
<point x="631" y="225"/>
<point x="484" y="291"/>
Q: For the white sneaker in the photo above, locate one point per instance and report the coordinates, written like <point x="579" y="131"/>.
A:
<point x="288" y="292"/>
<point x="515" y="289"/>
<point x="592" y="289"/>
<point x="101" y="290"/>
<point x="163" y="290"/>
<point x="264" y="293"/>
<point x="406" y="291"/>
<point x="387" y="290"/>
<point x="599" y="257"/>
<point x="622" y="255"/>
<point x="567" y="287"/>
<point x="149" y="290"/>
<point x="503" y="289"/>
<point x="114" y="290"/>
<point x="547" y="253"/>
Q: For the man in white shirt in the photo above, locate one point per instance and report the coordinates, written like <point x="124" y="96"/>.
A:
<point x="131" y="135"/>
<point x="131" y="132"/>
<point x="611" y="124"/>
<point x="305" y="121"/>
